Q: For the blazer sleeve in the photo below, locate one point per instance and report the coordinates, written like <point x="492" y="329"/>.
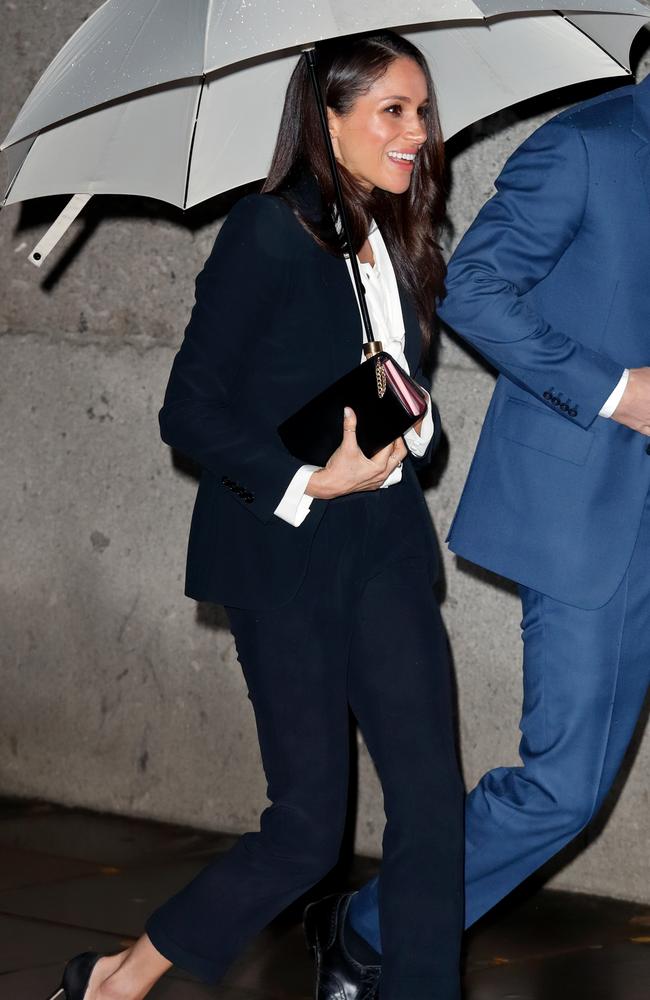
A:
<point x="245" y="279"/>
<point x="515" y="242"/>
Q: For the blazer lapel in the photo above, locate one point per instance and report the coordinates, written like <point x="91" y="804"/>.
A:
<point x="307" y="193"/>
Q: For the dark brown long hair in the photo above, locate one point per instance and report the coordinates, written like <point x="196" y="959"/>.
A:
<point x="410" y="223"/>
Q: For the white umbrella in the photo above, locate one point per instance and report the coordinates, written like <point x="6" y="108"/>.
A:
<point x="184" y="107"/>
<point x="131" y="45"/>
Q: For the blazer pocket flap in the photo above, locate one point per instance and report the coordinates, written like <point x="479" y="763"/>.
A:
<point x="527" y="424"/>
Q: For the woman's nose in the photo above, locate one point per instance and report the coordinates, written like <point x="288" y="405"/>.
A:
<point x="416" y="132"/>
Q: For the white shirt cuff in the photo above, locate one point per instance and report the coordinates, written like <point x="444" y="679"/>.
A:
<point x="612" y="402"/>
<point x="416" y="443"/>
<point x="394" y="477"/>
<point x="294" y="505"/>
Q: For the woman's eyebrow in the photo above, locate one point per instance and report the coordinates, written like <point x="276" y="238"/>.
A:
<point x="402" y="97"/>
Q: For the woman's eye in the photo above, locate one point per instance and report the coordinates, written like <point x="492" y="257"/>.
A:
<point x="394" y="109"/>
<point x="422" y="112"/>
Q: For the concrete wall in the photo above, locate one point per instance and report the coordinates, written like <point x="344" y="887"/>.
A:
<point x="117" y="692"/>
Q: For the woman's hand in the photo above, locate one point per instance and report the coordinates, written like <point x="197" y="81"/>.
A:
<point x="349" y="471"/>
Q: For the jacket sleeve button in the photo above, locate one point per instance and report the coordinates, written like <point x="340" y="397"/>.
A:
<point x="573" y="413"/>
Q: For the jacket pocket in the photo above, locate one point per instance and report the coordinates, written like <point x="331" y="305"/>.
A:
<point x="549" y="433"/>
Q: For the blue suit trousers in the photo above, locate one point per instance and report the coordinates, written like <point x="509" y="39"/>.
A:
<point x="586" y="674"/>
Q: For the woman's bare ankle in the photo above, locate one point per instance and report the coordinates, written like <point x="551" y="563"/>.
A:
<point x="130" y="974"/>
<point x="102" y="974"/>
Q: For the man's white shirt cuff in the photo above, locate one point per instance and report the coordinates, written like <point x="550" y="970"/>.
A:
<point x="295" y="504"/>
<point x="612" y="402"/>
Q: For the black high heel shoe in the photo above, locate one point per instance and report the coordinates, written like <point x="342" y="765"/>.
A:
<point x="76" y="977"/>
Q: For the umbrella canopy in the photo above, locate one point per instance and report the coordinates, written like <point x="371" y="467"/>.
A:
<point x="145" y="101"/>
<point x="131" y="45"/>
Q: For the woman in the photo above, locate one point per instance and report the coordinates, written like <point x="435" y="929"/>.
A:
<point x="326" y="574"/>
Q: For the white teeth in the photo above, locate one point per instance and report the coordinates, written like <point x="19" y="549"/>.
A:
<point x="402" y="156"/>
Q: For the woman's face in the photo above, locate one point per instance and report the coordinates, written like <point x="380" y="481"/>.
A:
<point x="379" y="139"/>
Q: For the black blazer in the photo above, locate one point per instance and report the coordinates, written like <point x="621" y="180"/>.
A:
<point x="275" y="321"/>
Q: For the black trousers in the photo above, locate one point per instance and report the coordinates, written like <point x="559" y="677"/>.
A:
<point x="364" y="631"/>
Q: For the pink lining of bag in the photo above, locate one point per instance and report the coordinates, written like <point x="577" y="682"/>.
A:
<point x="414" y="402"/>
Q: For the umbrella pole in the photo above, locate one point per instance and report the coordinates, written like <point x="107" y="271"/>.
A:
<point x="310" y="58"/>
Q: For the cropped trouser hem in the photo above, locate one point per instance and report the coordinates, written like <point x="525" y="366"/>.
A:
<point x="203" y="968"/>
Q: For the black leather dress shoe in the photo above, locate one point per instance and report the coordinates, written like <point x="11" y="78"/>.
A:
<point x="338" y="975"/>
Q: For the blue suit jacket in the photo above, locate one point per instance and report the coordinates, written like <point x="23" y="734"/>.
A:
<point x="552" y="285"/>
<point x="275" y="322"/>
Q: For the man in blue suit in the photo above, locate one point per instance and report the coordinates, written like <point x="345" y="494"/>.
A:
<point x="552" y="285"/>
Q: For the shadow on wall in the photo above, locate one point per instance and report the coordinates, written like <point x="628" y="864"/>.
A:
<point x="37" y="215"/>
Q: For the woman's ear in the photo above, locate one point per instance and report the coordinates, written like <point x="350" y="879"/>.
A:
<point x="333" y="123"/>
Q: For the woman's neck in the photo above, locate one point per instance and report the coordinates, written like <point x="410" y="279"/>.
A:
<point x="366" y="255"/>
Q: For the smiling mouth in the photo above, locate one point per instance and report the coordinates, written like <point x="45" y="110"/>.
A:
<point x="402" y="157"/>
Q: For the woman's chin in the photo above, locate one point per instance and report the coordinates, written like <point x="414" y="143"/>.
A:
<point x="396" y="185"/>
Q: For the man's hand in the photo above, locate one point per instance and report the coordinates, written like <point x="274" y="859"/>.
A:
<point x="349" y="471"/>
<point x="634" y="408"/>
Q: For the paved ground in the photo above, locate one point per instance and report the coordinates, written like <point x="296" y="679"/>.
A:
<point x="72" y="881"/>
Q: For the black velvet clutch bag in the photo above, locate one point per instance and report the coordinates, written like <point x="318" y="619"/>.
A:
<point x="386" y="402"/>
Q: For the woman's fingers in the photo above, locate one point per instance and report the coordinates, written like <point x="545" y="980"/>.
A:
<point x="349" y="471"/>
<point x="400" y="449"/>
<point x="391" y="455"/>
<point x="383" y="458"/>
<point x="349" y="442"/>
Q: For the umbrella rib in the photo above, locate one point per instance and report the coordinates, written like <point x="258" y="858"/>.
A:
<point x="626" y="69"/>
<point x="208" y="18"/>
<point x="11" y="184"/>
<point x="191" y="150"/>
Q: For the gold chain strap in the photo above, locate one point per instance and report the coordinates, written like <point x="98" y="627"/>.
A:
<point x="380" y="375"/>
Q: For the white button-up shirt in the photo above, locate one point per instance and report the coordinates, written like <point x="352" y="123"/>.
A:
<point x="385" y="309"/>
